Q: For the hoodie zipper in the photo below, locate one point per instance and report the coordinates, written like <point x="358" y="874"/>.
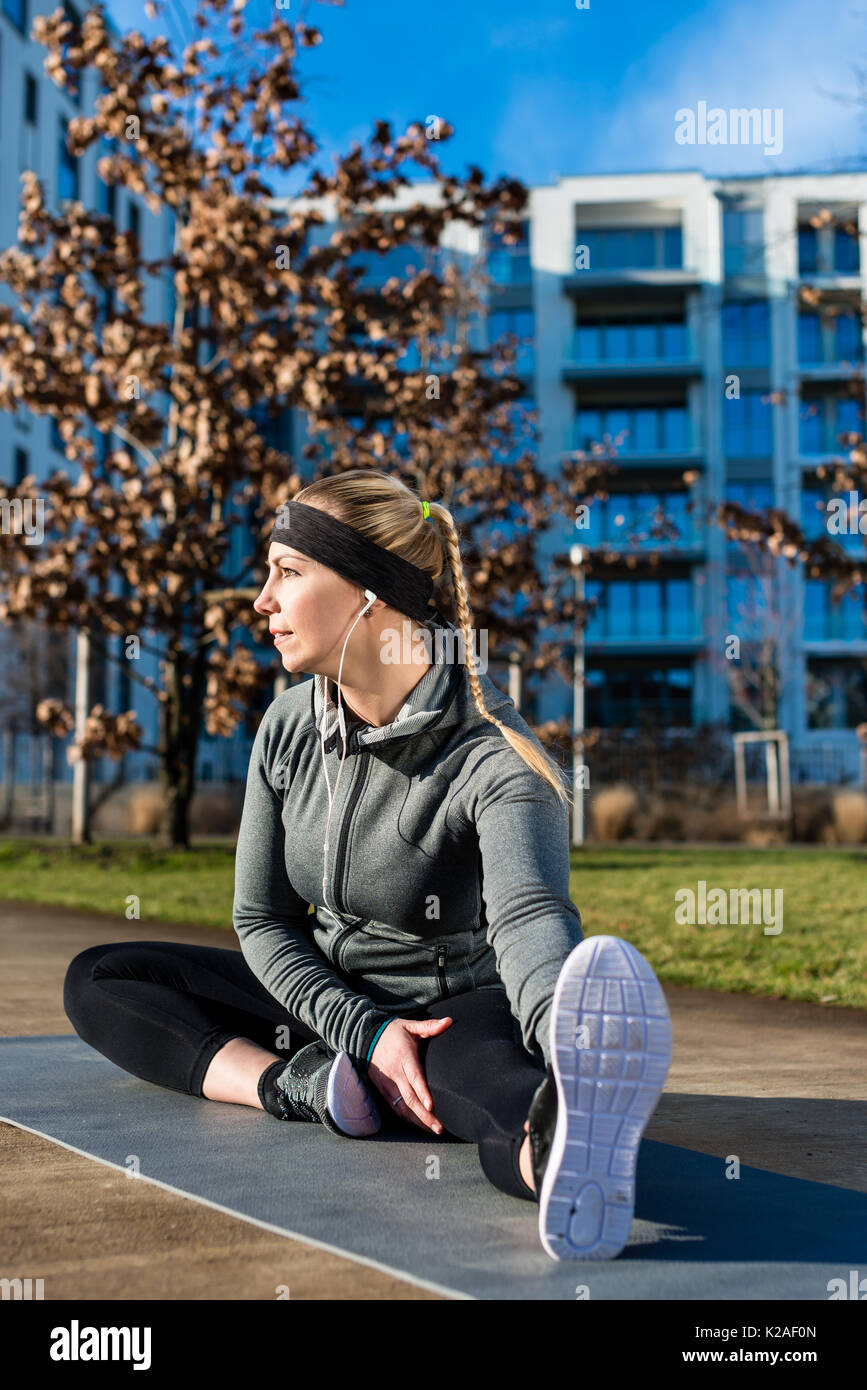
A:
<point x="340" y="859"/>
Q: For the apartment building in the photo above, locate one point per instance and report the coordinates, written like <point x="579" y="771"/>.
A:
<point x="711" y="331"/>
<point x="34" y="116"/>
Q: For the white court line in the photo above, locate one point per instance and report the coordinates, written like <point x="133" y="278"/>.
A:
<point x="251" y="1220"/>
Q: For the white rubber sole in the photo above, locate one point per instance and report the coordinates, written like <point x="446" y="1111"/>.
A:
<point x="349" y="1102"/>
<point x="610" y="1048"/>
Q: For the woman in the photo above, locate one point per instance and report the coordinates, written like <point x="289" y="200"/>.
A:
<point x="443" y="970"/>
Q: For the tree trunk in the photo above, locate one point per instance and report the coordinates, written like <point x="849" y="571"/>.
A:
<point x="182" y="713"/>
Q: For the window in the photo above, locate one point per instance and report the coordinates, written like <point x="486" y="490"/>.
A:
<point x="747" y="425"/>
<point x="846" y="260"/>
<point x="815" y="517"/>
<point x="849" y="345"/>
<point x="743" y="241"/>
<point x="824" y="418"/>
<point x="842" y="343"/>
<point x="641" y="340"/>
<point x="31" y="99"/>
<point x="646" y="429"/>
<point x="521" y="323"/>
<point x="836" y="693"/>
<point x="635" y="609"/>
<point x="133" y="219"/>
<point x="632" y="248"/>
<point x="67" y="169"/>
<point x="825" y="621"/>
<point x="16" y="12"/>
<point x="637" y="695"/>
<point x="745" y="330"/>
<point x="809" y="339"/>
<point x="753" y="496"/>
<point x="808" y="250"/>
<point x="73" y="41"/>
<point x="509" y="265"/>
<point x="106" y="193"/>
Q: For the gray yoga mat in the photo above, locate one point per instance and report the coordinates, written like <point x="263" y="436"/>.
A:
<point x="697" y="1234"/>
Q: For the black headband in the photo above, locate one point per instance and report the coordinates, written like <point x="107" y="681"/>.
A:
<point x="314" y="532"/>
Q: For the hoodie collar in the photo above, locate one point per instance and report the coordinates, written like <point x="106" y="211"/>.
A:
<point x="442" y="696"/>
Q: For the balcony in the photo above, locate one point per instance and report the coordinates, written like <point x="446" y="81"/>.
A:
<point x="626" y="522"/>
<point x="643" y="615"/>
<point x="642" y="436"/>
<point x="635" y="351"/>
<point x="629" y="257"/>
<point x="830" y="350"/>
<point x="827" y="623"/>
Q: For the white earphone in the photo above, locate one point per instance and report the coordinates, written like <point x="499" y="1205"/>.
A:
<point x="341" y="720"/>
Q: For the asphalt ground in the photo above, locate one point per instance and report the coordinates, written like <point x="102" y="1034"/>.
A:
<point x="780" y="1083"/>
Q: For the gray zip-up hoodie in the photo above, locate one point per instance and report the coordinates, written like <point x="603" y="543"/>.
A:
<point x="447" y="865"/>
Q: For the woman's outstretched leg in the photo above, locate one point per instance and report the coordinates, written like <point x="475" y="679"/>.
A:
<point x="180" y="1016"/>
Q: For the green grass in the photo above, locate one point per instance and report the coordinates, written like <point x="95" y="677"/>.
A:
<point x="821" y="953"/>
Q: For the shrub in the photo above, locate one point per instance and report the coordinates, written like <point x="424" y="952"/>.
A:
<point x="664" y="819"/>
<point x="613" y="810"/>
<point x="850" y="817"/>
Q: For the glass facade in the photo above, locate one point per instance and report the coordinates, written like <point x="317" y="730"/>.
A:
<point x="823" y="418"/>
<point x="841" y="343"/>
<point x="639" y="695"/>
<point x="521" y="323"/>
<point x="836" y="692"/>
<point x="67" y="168"/>
<point x="638" y="340"/>
<point x="644" y="429"/>
<point x="640" y="609"/>
<point x="743" y="241"/>
<point x="632" y="248"/>
<point x="627" y="519"/>
<point x="825" y="621"/>
<point x="815" y="517"/>
<point x="509" y="265"/>
<point x="748" y="425"/>
<point x="746" y="333"/>
<point x="827" y="251"/>
<point x="16" y="11"/>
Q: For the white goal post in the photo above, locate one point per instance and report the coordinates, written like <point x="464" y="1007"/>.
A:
<point x="779" y="781"/>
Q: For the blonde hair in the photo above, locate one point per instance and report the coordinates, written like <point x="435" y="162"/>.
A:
<point x="389" y="513"/>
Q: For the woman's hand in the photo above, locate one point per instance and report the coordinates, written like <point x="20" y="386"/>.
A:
<point x="396" y="1071"/>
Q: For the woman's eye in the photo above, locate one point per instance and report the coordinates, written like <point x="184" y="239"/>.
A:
<point x="284" y="572"/>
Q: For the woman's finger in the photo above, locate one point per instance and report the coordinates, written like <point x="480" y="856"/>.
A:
<point x="416" y="1078"/>
<point x="412" y="1111"/>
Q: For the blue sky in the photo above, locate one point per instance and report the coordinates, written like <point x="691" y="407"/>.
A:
<point x="545" y="89"/>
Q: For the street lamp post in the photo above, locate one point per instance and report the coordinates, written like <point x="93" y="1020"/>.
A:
<point x="576" y="555"/>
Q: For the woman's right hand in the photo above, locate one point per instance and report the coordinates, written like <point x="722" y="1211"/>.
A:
<point x="395" y="1069"/>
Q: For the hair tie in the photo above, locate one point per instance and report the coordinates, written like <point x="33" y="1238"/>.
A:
<point x="425" y="509"/>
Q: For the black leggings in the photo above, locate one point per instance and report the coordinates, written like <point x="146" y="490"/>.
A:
<point x="161" y="1010"/>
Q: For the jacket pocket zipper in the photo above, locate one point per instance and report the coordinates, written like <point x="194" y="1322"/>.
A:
<point x="441" y="973"/>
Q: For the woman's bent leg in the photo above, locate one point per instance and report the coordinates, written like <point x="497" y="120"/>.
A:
<point x="482" y="1080"/>
<point x="162" y="1010"/>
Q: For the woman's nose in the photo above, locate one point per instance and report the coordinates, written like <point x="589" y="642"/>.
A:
<point x="264" y="603"/>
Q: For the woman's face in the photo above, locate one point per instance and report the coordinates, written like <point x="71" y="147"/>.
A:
<point x="309" y="608"/>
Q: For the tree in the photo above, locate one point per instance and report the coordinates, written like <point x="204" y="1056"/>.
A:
<point x="266" y="320"/>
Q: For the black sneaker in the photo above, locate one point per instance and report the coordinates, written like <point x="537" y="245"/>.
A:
<point x="610" y="1049"/>
<point x="318" y="1084"/>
